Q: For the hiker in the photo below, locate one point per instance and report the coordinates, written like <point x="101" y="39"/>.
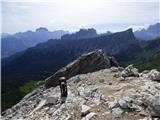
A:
<point x="63" y="88"/>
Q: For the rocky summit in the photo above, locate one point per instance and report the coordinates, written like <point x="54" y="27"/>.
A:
<point x="88" y="62"/>
<point x="114" y="93"/>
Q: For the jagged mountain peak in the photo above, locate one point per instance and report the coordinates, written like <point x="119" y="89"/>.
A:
<point x="150" y="33"/>
<point x="42" y="29"/>
<point x="20" y="41"/>
<point x="129" y="31"/>
<point x="87" y="30"/>
<point x="154" y="29"/>
<point x="82" y="33"/>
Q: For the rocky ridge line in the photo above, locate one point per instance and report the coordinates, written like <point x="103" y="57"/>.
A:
<point x="107" y="94"/>
<point x="88" y="62"/>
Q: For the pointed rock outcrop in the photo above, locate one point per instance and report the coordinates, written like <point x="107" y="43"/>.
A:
<point x="86" y="63"/>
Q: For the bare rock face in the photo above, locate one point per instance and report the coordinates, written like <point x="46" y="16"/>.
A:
<point x="154" y="106"/>
<point x="86" y="63"/>
<point x="89" y="116"/>
<point x="154" y="75"/>
<point x="130" y="71"/>
<point x="85" y="110"/>
<point x="52" y="100"/>
<point x="90" y="99"/>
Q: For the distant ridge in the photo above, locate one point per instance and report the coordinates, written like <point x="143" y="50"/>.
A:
<point x="49" y="55"/>
<point x="82" y="33"/>
<point x="151" y="32"/>
<point x="18" y="42"/>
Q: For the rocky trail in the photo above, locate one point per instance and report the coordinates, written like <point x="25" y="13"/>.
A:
<point x="114" y="93"/>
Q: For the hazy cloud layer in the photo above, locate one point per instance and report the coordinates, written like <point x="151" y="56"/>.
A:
<point x="74" y="14"/>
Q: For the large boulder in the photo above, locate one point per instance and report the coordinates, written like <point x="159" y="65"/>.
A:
<point x="89" y="116"/>
<point x="122" y="105"/>
<point x="86" y="63"/>
<point x="154" y="106"/>
<point x="154" y="75"/>
<point x="130" y="71"/>
<point x="85" y="110"/>
<point x="51" y="100"/>
<point x="116" y="112"/>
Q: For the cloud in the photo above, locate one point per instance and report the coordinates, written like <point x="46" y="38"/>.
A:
<point x="73" y="14"/>
<point x="80" y="1"/>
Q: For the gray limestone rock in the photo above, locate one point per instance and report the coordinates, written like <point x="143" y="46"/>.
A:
<point x="117" y="112"/>
<point x="130" y="71"/>
<point x="123" y="104"/>
<point x="154" y="75"/>
<point x="114" y="69"/>
<point x="86" y="63"/>
<point x="52" y="100"/>
<point x="154" y="106"/>
<point x="85" y="110"/>
<point x="89" y="116"/>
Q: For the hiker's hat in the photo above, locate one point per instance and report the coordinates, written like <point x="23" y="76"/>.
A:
<point x="62" y="78"/>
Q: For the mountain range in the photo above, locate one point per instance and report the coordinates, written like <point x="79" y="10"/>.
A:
<point x="12" y="44"/>
<point x="42" y="60"/>
<point x="151" y="32"/>
<point x="39" y="62"/>
<point x="18" y="42"/>
<point x="49" y="55"/>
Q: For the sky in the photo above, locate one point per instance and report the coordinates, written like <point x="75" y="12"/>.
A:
<point x="71" y="15"/>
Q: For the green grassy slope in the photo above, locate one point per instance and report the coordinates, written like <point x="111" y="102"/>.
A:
<point x="148" y="58"/>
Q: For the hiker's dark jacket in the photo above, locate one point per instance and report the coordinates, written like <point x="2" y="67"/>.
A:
<point x="63" y="88"/>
